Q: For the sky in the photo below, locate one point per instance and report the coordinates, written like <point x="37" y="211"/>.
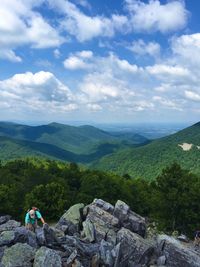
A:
<point x="104" y="61"/>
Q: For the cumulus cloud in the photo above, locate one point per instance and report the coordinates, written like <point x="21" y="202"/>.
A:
<point x="85" y="27"/>
<point x="187" y="48"/>
<point x="21" y="25"/>
<point x="79" y="60"/>
<point x="141" y="48"/>
<point x="154" y="16"/>
<point x="38" y="91"/>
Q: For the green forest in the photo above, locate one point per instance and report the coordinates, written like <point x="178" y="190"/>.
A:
<point x="171" y="199"/>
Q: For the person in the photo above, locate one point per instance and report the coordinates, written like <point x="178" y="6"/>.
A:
<point x="31" y="219"/>
<point x="197" y="238"/>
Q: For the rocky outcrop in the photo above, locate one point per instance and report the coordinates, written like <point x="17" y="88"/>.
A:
<point x="18" y="255"/>
<point x="97" y="235"/>
<point x="178" y="253"/>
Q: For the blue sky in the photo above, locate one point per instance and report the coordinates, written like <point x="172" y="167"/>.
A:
<point x="102" y="61"/>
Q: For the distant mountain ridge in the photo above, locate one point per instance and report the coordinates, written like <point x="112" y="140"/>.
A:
<point x="64" y="142"/>
<point x="147" y="161"/>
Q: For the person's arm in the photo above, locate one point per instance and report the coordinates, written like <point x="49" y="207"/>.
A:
<point x="42" y="220"/>
<point x="39" y="216"/>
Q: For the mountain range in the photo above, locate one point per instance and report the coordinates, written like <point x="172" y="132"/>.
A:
<point x="147" y="161"/>
<point x="81" y="144"/>
<point x="122" y="153"/>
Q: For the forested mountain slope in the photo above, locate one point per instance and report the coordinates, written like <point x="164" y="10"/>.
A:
<point x="147" y="161"/>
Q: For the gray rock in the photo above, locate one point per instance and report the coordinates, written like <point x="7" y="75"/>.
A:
<point x="178" y="254"/>
<point x="72" y="218"/>
<point x="88" y="232"/>
<point x="134" y="248"/>
<point x="103" y="205"/>
<point x="49" y="235"/>
<point x="4" y="219"/>
<point x="129" y="219"/>
<point x="161" y="260"/>
<point x="47" y="257"/>
<point x="72" y="257"/>
<point x="18" y="255"/>
<point x="2" y="252"/>
<point x="7" y="238"/>
<point x="9" y="225"/>
<point x="40" y="237"/>
<point x="105" y="224"/>
<point x="106" y="257"/>
<point x="24" y="235"/>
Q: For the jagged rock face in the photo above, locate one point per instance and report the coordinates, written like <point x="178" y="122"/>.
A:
<point x="129" y="219"/>
<point x="134" y="248"/>
<point x="177" y="253"/>
<point x="98" y="235"/>
<point x="71" y="220"/>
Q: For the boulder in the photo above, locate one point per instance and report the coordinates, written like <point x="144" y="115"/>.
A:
<point x="88" y="232"/>
<point x="18" y="255"/>
<point x="103" y="205"/>
<point x="177" y="253"/>
<point x="24" y="235"/>
<point x="4" y="219"/>
<point x="133" y="248"/>
<point x="1" y="253"/>
<point x="105" y="224"/>
<point x="40" y="237"/>
<point x="7" y="238"/>
<point x="106" y="257"/>
<point x="72" y="219"/>
<point x="47" y="257"/>
<point x="129" y="219"/>
<point x="9" y="225"/>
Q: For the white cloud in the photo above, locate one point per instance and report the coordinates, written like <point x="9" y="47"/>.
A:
<point x="21" y="25"/>
<point x="141" y="48"/>
<point x="38" y="91"/>
<point x="166" y="102"/>
<point x="192" y="96"/>
<point x="9" y="55"/>
<point x="154" y="16"/>
<point x="169" y="73"/>
<point x="84" y="27"/>
<point x="74" y="63"/>
<point x="85" y="54"/>
<point x="187" y="48"/>
<point x="79" y="60"/>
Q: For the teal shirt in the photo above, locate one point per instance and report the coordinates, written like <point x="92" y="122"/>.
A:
<point x="28" y="219"/>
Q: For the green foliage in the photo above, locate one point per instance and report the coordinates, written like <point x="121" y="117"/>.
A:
<point x="8" y="194"/>
<point x="172" y="199"/>
<point x="176" y="202"/>
<point x="51" y="198"/>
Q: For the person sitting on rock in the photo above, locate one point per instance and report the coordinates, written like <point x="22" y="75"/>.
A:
<point x="31" y="219"/>
<point x="197" y="238"/>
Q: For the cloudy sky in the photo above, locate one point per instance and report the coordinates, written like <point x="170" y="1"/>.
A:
<point x="101" y="61"/>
